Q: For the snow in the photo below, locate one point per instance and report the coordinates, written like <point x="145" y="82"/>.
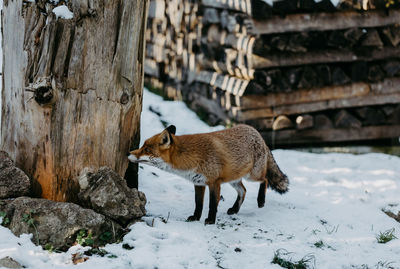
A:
<point x="336" y="198"/>
<point x="63" y="12"/>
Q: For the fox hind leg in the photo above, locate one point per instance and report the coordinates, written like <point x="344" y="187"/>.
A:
<point x="199" y="197"/>
<point x="261" y="193"/>
<point x="241" y="190"/>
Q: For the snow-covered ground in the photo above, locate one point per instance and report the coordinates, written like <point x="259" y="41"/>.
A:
<point x="336" y="198"/>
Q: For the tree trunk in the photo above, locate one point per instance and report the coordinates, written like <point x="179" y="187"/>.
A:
<point x="72" y="89"/>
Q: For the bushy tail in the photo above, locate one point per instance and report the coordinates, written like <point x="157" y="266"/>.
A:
<point x="277" y="180"/>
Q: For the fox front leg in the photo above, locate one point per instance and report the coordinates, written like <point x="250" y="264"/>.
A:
<point x="199" y="197"/>
<point x="214" y="200"/>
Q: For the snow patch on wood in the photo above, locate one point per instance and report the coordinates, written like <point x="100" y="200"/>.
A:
<point x="63" y="12"/>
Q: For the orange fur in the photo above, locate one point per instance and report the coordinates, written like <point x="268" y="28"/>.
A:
<point x="213" y="158"/>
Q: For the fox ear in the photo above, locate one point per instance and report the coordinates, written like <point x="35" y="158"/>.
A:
<point x="171" y="129"/>
<point x="166" y="139"/>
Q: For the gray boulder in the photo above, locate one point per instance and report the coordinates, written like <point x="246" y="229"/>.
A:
<point x="108" y="194"/>
<point x="9" y="262"/>
<point x="60" y="224"/>
<point x="13" y="181"/>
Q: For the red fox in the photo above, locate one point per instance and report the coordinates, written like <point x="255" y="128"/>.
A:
<point x="210" y="159"/>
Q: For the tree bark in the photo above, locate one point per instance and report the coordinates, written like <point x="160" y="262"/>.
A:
<point x="72" y="89"/>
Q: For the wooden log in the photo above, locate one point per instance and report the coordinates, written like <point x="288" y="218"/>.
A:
<point x="344" y="119"/>
<point x="309" y="79"/>
<point x="322" y="21"/>
<point x="322" y="122"/>
<point x="248" y="107"/>
<point x="279" y="42"/>
<point x="337" y="39"/>
<point x="320" y="57"/>
<point x="293" y="76"/>
<point x="388" y="85"/>
<point x="388" y="110"/>
<point x="227" y="83"/>
<point x="297" y="42"/>
<point x="151" y="68"/>
<point x="375" y="73"/>
<point x="174" y="12"/>
<point x="339" y="77"/>
<point x="304" y="121"/>
<point x="391" y="35"/>
<point x="86" y="76"/>
<point x="314" y="136"/>
<point x="353" y="35"/>
<point x="372" y="39"/>
<point x="394" y="118"/>
<point x="392" y="68"/>
<point x="245" y="115"/>
<point x="371" y="116"/>
<point x="211" y="107"/>
<point x="210" y="16"/>
<point x="156" y="52"/>
<point x="325" y="74"/>
<point x="156" y="9"/>
<point x="305" y="96"/>
<point x="282" y="122"/>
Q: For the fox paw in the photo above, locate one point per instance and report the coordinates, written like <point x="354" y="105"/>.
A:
<point x="209" y="221"/>
<point x="192" y="218"/>
<point x="232" y="211"/>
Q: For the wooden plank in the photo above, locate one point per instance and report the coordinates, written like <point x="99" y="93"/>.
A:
<point x="326" y="94"/>
<point x="325" y="56"/>
<point x="323" y="21"/>
<point x="244" y="115"/>
<point x="335" y="104"/>
<point x="297" y="137"/>
<point x="388" y="85"/>
<point x="305" y="96"/>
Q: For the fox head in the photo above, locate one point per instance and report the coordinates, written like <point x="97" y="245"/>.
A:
<point x="155" y="150"/>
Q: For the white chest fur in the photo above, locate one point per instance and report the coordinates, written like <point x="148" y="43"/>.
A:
<point x="192" y="176"/>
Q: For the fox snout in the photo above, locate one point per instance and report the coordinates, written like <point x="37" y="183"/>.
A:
<point x="132" y="157"/>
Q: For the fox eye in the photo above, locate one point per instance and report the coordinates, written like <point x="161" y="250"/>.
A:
<point x="147" y="150"/>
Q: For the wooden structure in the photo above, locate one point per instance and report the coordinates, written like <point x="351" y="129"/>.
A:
<point x="72" y="88"/>
<point x="300" y="71"/>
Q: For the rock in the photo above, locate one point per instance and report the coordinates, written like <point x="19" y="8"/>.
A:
<point x="9" y="262"/>
<point x="13" y="181"/>
<point x="58" y="224"/>
<point x="107" y="193"/>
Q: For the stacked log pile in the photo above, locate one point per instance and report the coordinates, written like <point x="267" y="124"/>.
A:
<point x="300" y="71"/>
